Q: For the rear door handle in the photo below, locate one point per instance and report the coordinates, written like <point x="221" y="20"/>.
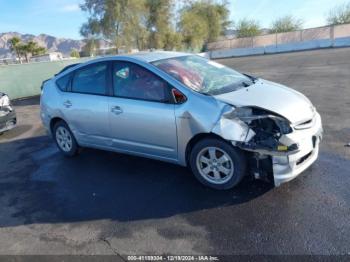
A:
<point x="116" y="110"/>
<point x="67" y="103"/>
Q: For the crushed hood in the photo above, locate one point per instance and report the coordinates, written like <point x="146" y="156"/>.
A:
<point x="274" y="97"/>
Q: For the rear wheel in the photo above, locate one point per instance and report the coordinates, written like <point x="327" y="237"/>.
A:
<point x="217" y="164"/>
<point x="64" y="139"/>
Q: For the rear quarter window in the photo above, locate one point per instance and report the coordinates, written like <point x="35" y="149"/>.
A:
<point x="63" y="82"/>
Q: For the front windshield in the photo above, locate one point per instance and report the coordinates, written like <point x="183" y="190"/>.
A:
<point x="203" y="75"/>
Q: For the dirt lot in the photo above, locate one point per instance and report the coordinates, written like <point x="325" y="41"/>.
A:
<point x="106" y="203"/>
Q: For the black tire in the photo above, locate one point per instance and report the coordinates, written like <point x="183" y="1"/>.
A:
<point x="237" y="156"/>
<point x="74" y="149"/>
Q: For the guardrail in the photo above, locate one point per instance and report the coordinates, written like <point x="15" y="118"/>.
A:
<point x="312" y="38"/>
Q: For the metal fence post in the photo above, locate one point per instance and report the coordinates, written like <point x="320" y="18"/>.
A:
<point x="276" y="39"/>
<point x="331" y="32"/>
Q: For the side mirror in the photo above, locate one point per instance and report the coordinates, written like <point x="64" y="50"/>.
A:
<point x="179" y="97"/>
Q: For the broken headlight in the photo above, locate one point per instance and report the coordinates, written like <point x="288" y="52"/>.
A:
<point x="283" y="125"/>
<point x="268" y="128"/>
<point x="266" y="120"/>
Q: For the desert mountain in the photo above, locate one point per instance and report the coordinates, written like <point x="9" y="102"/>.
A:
<point x="51" y="43"/>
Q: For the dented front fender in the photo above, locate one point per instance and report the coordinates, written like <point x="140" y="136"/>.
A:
<point x="233" y="130"/>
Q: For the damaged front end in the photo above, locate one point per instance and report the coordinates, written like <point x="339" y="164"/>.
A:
<point x="8" y="118"/>
<point x="277" y="150"/>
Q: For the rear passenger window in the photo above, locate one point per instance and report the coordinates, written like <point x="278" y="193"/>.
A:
<point x="91" y="79"/>
<point x="63" y="82"/>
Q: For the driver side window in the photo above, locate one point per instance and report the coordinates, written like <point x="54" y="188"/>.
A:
<point x="133" y="81"/>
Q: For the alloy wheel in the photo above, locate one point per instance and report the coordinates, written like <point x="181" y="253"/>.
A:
<point x="215" y="165"/>
<point x="64" y="139"/>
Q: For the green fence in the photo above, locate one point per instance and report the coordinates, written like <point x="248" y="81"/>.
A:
<point x="19" y="81"/>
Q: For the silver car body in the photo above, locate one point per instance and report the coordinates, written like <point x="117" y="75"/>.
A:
<point x="164" y="131"/>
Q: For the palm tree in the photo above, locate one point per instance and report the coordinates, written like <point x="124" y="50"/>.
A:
<point x="15" y="46"/>
<point x="34" y="49"/>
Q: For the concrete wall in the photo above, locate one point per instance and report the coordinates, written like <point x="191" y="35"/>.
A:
<point x="341" y="31"/>
<point x="25" y="80"/>
<point x="313" y="38"/>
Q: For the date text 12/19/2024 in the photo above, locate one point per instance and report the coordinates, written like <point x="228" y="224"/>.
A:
<point x="172" y="258"/>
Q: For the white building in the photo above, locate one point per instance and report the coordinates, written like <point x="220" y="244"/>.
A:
<point x="8" y="60"/>
<point x="52" y="56"/>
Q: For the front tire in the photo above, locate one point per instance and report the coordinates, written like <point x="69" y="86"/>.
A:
<point x="217" y="164"/>
<point x="64" y="139"/>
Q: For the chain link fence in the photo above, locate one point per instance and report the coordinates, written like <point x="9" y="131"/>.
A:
<point x="319" y="33"/>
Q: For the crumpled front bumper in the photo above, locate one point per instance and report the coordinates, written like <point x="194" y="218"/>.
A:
<point x="286" y="168"/>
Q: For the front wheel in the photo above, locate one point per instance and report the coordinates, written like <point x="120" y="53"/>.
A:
<point x="217" y="164"/>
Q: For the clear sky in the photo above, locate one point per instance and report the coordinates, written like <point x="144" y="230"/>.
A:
<point x="63" y="18"/>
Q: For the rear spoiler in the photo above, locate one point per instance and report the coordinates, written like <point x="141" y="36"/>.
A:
<point x="66" y="68"/>
<point x="43" y="83"/>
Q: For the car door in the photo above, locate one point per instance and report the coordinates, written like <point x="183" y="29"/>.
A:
<point x="142" y="117"/>
<point x="85" y="105"/>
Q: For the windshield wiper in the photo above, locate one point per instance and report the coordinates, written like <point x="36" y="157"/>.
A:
<point x="251" y="78"/>
<point x="245" y="84"/>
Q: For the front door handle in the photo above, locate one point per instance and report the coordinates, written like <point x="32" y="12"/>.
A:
<point x="67" y="103"/>
<point x="116" y="110"/>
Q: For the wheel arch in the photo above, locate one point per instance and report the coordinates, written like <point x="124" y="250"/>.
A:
<point x="195" y="139"/>
<point x="54" y="121"/>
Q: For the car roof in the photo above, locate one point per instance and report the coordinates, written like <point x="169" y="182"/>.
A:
<point x="67" y="67"/>
<point x="146" y="57"/>
<point x="152" y="56"/>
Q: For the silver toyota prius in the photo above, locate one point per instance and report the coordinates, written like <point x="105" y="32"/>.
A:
<point x="184" y="109"/>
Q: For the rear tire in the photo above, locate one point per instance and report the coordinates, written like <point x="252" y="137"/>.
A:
<point x="65" y="139"/>
<point x="217" y="164"/>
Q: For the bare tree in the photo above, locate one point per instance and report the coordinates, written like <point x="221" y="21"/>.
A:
<point x="248" y="28"/>
<point x="339" y="15"/>
<point x="286" y="24"/>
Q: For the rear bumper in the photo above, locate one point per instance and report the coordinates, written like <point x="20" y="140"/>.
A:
<point x="45" y="119"/>
<point x="8" y="120"/>
<point x="286" y="168"/>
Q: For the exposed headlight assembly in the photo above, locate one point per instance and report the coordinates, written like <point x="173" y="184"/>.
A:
<point x="249" y="115"/>
<point x="268" y="128"/>
<point x="283" y="125"/>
